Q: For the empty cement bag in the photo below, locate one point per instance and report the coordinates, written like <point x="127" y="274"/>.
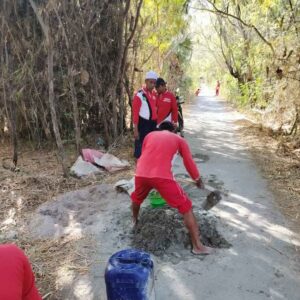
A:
<point x="111" y="163"/>
<point x="129" y="275"/>
<point x="83" y="168"/>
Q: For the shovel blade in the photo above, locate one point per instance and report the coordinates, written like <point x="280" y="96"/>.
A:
<point x="212" y="199"/>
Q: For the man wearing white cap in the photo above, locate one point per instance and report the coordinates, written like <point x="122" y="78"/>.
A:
<point x="144" y="111"/>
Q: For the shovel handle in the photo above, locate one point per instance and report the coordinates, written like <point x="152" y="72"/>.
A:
<point x="206" y="186"/>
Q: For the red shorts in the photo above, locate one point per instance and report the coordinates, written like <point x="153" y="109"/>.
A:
<point x="16" y="276"/>
<point x="169" y="189"/>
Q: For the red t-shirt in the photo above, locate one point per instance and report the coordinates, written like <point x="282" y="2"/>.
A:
<point x="167" y="109"/>
<point x="144" y="107"/>
<point x="158" y="152"/>
<point x="16" y="276"/>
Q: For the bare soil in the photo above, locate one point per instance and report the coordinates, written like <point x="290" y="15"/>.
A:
<point x="161" y="231"/>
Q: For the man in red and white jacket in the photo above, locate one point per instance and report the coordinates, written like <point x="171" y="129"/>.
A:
<point x="154" y="171"/>
<point x="167" y="109"/>
<point x="144" y="111"/>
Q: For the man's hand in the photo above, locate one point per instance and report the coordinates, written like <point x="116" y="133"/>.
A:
<point x="199" y="183"/>
<point x="136" y="133"/>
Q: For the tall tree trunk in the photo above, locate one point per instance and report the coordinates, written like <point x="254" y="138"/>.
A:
<point x="75" y="110"/>
<point x="10" y="103"/>
<point x="116" y="87"/>
<point x="71" y="85"/>
<point x="121" y="110"/>
<point x="102" y="111"/>
<point x="13" y="122"/>
<point x="61" y="154"/>
<point x="49" y="44"/>
<point x="128" y="41"/>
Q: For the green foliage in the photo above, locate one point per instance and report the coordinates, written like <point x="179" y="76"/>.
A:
<point x="238" y="53"/>
<point x="163" y="42"/>
<point x="164" y="22"/>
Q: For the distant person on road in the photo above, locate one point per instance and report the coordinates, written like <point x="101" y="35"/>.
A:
<point x="154" y="172"/>
<point x="218" y="88"/>
<point x="144" y="111"/>
<point x="197" y="93"/>
<point x="16" y="276"/>
<point x="167" y="109"/>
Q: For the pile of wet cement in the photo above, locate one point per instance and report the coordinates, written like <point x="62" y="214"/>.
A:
<point x="161" y="231"/>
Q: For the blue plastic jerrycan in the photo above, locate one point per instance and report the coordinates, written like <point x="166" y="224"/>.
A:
<point x="129" y="276"/>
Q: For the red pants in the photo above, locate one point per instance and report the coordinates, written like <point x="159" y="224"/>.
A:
<point x="169" y="189"/>
<point x="16" y="276"/>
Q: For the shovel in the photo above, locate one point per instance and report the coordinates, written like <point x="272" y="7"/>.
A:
<point x="213" y="197"/>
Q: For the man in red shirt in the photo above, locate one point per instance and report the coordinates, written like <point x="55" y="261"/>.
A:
<point x="154" y="171"/>
<point x="218" y="88"/>
<point x="144" y="111"/>
<point x="167" y="109"/>
<point x="16" y="276"/>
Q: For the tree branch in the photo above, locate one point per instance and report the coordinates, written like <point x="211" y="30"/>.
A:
<point x="227" y="14"/>
<point x="131" y="34"/>
<point x="149" y="56"/>
<point x="127" y="7"/>
<point x="39" y="17"/>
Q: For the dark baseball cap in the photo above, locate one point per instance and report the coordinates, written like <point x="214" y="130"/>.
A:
<point x="160" y="81"/>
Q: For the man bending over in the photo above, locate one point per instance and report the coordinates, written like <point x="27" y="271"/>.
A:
<point x="154" y="172"/>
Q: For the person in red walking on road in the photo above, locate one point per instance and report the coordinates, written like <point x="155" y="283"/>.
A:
<point x="154" y="172"/>
<point x="167" y="109"/>
<point x="16" y="276"/>
<point x="218" y="88"/>
<point x="144" y="111"/>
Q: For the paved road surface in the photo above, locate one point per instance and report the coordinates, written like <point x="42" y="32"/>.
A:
<point x="262" y="264"/>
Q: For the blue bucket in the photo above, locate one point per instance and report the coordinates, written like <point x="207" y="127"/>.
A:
<point x="129" y="275"/>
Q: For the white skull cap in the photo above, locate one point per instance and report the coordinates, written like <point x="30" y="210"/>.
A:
<point x="151" y="75"/>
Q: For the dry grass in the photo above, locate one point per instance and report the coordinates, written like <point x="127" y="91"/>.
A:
<point x="47" y="256"/>
<point x="38" y="180"/>
<point x="279" y="160"/>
